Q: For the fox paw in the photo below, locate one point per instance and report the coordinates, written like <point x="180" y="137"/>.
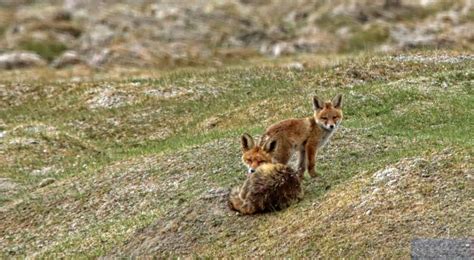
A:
<point x="314" y="175"/>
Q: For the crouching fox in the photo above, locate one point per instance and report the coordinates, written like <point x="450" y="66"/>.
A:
<point x="269" y="186"/>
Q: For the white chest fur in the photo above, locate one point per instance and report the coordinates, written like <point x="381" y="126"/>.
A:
<point x="325" y="137"/>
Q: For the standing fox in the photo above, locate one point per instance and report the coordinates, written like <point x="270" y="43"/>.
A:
<point x="305" y="135"/>
<point x="270" y="186"/>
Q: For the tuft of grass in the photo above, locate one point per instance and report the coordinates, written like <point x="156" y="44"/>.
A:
<point x="367" y="38"/>
<point x="47" y="49"/>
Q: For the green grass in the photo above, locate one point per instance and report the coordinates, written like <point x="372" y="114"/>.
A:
<point x="364" y="39"/>
<point x="47" y="49"/>
<point x="132" y="177"/>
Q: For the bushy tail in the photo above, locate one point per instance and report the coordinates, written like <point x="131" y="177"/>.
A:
<point x="235" y="203"/>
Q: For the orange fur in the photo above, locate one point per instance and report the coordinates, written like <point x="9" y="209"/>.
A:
<point x="270" y="186"/>
<point x="255" y="155"/>
<point x="305" y="135"/>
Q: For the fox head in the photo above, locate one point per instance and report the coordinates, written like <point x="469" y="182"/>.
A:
<point x="328" y="114"/>
<point x="255" y="155"/>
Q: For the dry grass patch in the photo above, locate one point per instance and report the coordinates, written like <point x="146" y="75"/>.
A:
<point x="377" y="215"/>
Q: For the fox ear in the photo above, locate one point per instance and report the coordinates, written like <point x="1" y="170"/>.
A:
<point x="247" y="142"/>
<point x="317" y="103"/>
<point x="337" y="101"/>
<point x="270" y="146"/>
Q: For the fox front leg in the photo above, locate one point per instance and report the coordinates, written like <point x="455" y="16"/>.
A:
<point x="301" y="161"/>
<point x="311" y="155"/>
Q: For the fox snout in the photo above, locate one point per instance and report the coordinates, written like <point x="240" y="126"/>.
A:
<point x="333" y="125"/>
<point x="329" y="125"/>
<point x="252" y="167"/>
<point x="329" y="122"/>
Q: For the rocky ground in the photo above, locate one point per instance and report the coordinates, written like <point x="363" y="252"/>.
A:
<point x="170" y="33"/>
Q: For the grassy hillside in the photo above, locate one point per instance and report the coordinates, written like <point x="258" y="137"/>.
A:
<point x="139" y="162"/>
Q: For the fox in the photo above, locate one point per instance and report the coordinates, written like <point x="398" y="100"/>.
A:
<point x="305" y="136"/>
<point x="270" y="187"/>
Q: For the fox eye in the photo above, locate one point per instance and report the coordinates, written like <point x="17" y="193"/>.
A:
<point x="334" y="118"/>
<point x="324" y="118"/>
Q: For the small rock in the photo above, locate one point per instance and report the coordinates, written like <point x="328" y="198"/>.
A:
<point x="444" y="85"/>
<point x="7" y="184"/>
<point x="44" y="171"/>
<point x="46" y="182"/>
<point x="99" y="58"/>
<point x="66" y="59"/>
<point x="295" y="66"/>
<point x="71" y="5"/>
<point x="392" y="182"/>
<point x="282" y="48"/>
<point x="375" y="191"/>
<point x="20" y="59"/>
<point x="97" y="36"/>
<point x="470" y="176"/>
<point x="385" y="174"/>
